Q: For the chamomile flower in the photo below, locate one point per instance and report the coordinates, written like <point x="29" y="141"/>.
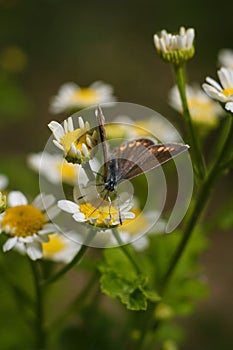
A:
<point x="27" y="225"/>
<point x="61" y="248"/>
<point x="222" y="92"/>
<point x="76" y="144"/>
<point x="175" y="48"/>
<point x="3" y="182"/>
<point x="102" y="215"/>
<point x="203" y="110"/>
<point x="72" y="97"/>
<point x="225" y="58"/>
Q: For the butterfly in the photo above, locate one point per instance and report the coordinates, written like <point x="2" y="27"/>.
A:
<point x="132" y="158"/>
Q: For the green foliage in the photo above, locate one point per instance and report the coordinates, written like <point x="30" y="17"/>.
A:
<point x="120" y="280"/>
<point x="10" y="91"/>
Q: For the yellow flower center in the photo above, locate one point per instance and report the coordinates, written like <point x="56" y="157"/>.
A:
<point x="101" y="214"/>
<point x="24" y="220"/>
<point x="54" y="245"/>
<point x="77" y="137"/>
<point x="136" y="224"/>
<point x="69" y="138"/>
<point x="228" y="92"/>
<point x="85" y="96"/>
<point x="68" y="171"/>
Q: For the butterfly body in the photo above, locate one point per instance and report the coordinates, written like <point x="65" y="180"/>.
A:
<point x="132" y="158"/>
<point x="110" y="183"/>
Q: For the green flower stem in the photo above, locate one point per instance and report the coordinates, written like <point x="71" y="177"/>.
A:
<point x="219" y="145"/>
<point x="200" y="203"/>
<point x="39" y="308"/>
<point x="199" y="164"/>
<point x="76" y="260"/>
<point x="126" y="250"/>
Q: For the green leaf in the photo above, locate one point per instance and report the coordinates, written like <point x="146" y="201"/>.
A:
<point x="120" y="281"/>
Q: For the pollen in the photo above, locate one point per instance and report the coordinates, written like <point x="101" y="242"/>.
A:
<point x="102" y="216"/>
<point x="23" y="220"/>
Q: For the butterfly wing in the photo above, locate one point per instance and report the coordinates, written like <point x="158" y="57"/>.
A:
<point x="141" y="155"/>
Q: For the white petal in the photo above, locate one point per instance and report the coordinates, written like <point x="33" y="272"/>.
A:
<point x="56" y="129"/>
<point x="70" y="124"/>
<point x="52" y="212"/>
<point x="66" y="126"/>
<point x="48" y="228"/>
<point x="128" y="215"/>
<point x="80" y="217"/>
<point x="68" y="206"/>
<point x="16" y="198"/>
<point x="141" y="243"/>
<point x="214" y="83"/>
<point x="27" y="239"/>
<point x="34" y="250"/>
<point x="43" y="201"/>
<point x="85" y="150"/>
<point x="225" y="78"/>
<point x="10" y="243"/>
<point x="81" y="123"/>
<point x="58" y="145"/>
<point x="190" y="37"/>
<point x="3" y="182"/>
<point x="229" y="106"/>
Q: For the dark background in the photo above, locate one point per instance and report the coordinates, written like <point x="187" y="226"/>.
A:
<point x="84" y="41"/>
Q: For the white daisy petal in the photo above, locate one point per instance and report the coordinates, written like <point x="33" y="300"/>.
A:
<point x="58" y="145"/>
<point x="27" y="239"/>
<point x="16" y="198"/>
<point x="68" y="206"/>
<point x="229" y="106"/>
<point x="10" y="243"/>
<point x="3" y="182"/>
<point x="214" y="83"/>
<point x="56" y="129"/>
<point x="52" y="212"/>
<point x="34" y="250"/>
<point x="141" y="243"/>
<point x="70" y="124"/>
<point x="43" y="201"/>
<point x="80" y="217"/>
<point x="48" y="228"/>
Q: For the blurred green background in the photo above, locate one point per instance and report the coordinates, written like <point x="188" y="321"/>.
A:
<point x="45" y="43"/>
